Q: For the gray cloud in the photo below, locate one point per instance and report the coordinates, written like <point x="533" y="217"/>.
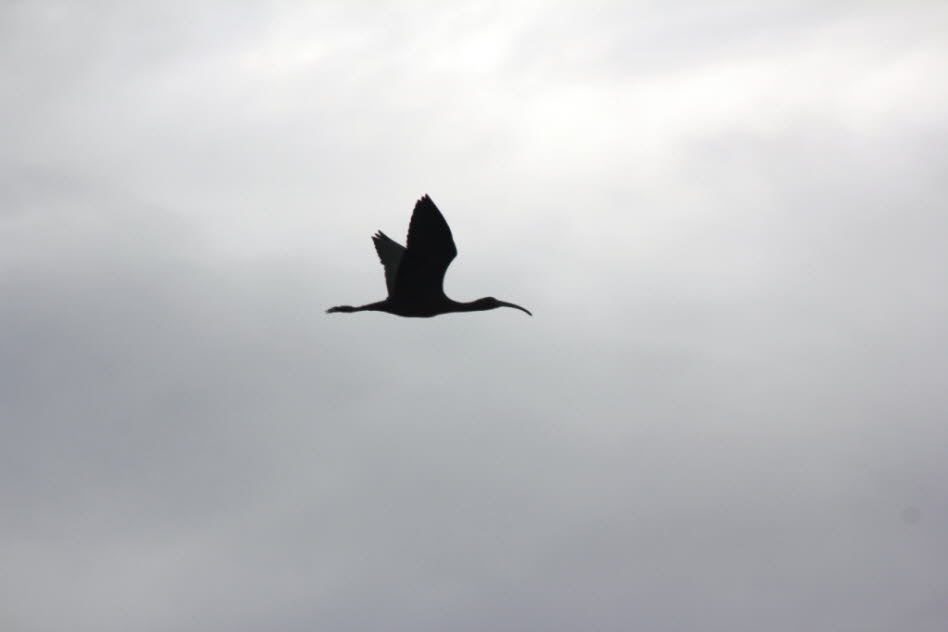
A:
<point x="727" y="413"/>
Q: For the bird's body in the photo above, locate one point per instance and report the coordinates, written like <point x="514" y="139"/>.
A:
<point x="414" y="274"/>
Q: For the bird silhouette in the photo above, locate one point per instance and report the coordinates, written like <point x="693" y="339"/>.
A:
<point x="414" y="275"/>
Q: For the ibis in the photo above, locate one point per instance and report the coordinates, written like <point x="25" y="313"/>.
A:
<point x="414" y="274"/>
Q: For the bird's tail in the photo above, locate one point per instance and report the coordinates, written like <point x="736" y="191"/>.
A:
<point x="348" y="309"/>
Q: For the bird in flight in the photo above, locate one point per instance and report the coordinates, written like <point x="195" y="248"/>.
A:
<point x="414" y="274"/>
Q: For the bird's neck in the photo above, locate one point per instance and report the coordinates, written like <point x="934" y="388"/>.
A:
<point x="470" y="306"/>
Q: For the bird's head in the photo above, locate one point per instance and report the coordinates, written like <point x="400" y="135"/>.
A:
<point x="489" y="302"/>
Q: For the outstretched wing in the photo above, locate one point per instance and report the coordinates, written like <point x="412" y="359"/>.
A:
<point x="429" y="252"/>
<point x="390" y="254"/>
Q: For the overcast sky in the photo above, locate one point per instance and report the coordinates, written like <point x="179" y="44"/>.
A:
<point x="728" y="413"/>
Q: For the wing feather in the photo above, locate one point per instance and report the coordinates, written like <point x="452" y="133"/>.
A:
<point x="430" y="250"/>
<point x="390" y="254"/>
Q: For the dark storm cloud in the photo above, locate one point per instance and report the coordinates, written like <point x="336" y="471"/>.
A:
<point x="726" y="413"/>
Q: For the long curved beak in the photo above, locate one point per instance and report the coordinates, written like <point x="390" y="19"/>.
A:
<point x="515" y="306"/>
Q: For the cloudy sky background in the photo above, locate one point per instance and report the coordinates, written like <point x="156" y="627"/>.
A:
<point x="728" y="413"/>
